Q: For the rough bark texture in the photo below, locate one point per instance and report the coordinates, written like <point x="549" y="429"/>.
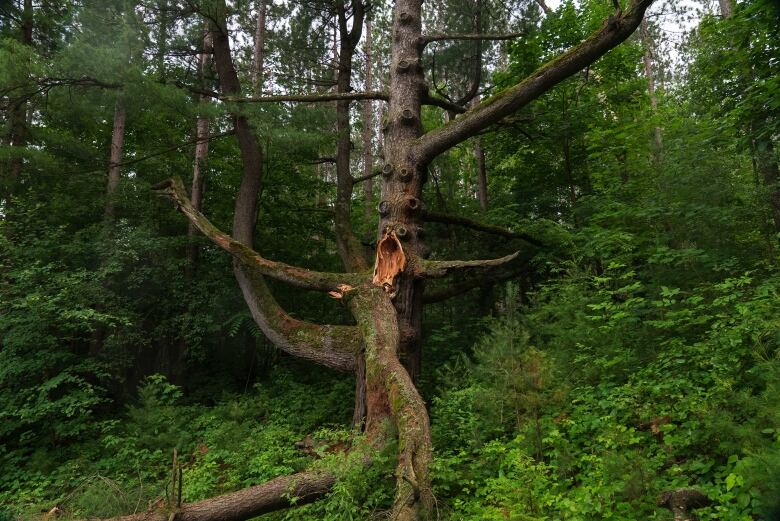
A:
<point x="115" y="160"/>
<point x="404" y="174"/>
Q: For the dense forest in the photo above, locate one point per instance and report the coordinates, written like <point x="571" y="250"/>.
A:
<point x="354" y="260"/>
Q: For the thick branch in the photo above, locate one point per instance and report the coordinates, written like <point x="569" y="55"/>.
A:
<point x="425" y="40"/>
<point x="614" y="31"/>
<point x="436" y="217"/>
<point x="433" y="296"/>
<point x="322" y="281"/>
<point x="279" y="493"/>
<point x="438" y="269"/>
<point x="310" y="98"/>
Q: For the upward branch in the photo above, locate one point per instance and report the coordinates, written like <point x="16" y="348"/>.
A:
<point x="174" y="189"/>
<point x="614" y="31"/>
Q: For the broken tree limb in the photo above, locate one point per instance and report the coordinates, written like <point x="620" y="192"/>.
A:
<point x="614" y="31"/>
<point x="438" y="269"/>
<point x="174" y="189"/>
<point x="331" y="346"/>
<point x="390" y="391"/>
<point x="276" y="494"/>
<point x="436" y="217"/>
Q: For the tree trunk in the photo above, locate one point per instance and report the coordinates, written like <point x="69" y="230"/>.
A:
<point x="162" y="38"/>
<point x="726" y="8"/>
<point x="17" y="120"/>
<point x="766" y="162"/>
<point x="405" y="175"/>
<point x="259" y="49"/>
<point x="349" y="247"/>
<point x="115" y="160"/>
<point x="201" y="149"/>
<point x="479" y="156"/>
<point x="368" y="130"/>
<point x="649" y="47"/>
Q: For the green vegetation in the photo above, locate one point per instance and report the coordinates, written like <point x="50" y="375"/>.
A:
<point x="637" y="352"/>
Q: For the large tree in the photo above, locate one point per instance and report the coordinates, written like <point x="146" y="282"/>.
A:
<point x="386" y="302"/>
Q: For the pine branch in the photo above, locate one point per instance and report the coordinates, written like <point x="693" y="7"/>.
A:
<point x="474" y="225"/>
<point x="433" y="296"/>
<point x="425" y="40"/>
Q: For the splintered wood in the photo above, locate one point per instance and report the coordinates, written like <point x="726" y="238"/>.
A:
<point x="390" y="261"/>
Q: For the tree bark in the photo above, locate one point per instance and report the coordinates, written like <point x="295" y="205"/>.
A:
<point x="349" y="247"/>
<point x="479" y="156"/>
<point x="649" y="48"/>
<point x="201" y="149"/>
<point x="368" y="130"/>
<point x="258" y="55"/>
<point x="726" y="8"/>
<point x="115" y="160"/>
<point x="17" y="120"/>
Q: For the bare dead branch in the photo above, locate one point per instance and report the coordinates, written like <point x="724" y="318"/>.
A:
<point x="614" y="31"/>
<point x="433" y="296"/>
<point x="366" y="177"/>
<point x="309" y="98"/>
<point x="438" y="269"/>
<point x="425" y="40"/>
<point x="303" y="278"/>
<point x="474" y="225"/>
<point x="276" y="494"/>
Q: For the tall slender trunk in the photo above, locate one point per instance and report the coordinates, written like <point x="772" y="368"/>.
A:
<point x="726" y="8"/>
<point x="368" y="129"/>
<point x="201" y="149"/>
<point x="162" y="38"/>
<point x="259" y="48"/>
<point x="17" y="120"/>
<point x="479" y="156"/>
<point x="114" y="167"/>
<point x="649" y="47"/>
<point x="349" y="247"/>
<point x="766" y="163"/>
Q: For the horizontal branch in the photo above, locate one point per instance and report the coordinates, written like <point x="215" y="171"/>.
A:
<point x="376" y="173"/>
<point x="474" y="225"/>
<point x="433" y="296"/>
<point x="425" y="40"/>
<point x="438" y="269"/>
<point x="309" y="98"/>
<point x="279" y="493"/>
<point x="614" y="31"/>
<point x="303" y="278"/>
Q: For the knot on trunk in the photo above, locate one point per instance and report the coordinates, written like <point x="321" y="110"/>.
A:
<point x="390" y="260"/>
<point x="682" y="502"/>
